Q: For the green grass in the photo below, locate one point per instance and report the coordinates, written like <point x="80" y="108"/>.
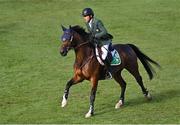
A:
<point x="33" y="74"/>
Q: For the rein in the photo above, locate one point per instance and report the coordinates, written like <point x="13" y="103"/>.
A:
<point x="82" y="44"/>
<point x="85" y="62"/>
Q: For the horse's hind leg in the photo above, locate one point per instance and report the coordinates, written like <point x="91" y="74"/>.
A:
<point x="122" y="83"/>
<point x="133" y="69"/>
<point x="76" y="79"/>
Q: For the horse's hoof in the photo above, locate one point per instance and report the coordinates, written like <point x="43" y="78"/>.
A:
<point x="148" y="97"/>
<point x="119" y="104"/>
<point x="89" y="114"/>
<point x="64" y="102"/>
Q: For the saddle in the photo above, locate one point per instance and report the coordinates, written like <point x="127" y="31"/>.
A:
<point x="113" y="56"/>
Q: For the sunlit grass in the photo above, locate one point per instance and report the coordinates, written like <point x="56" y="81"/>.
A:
<point x="33" y="74"/>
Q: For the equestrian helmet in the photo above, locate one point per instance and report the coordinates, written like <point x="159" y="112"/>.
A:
<point x="87" y="12"/>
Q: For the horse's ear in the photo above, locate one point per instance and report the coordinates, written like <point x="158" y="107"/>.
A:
<point x="63" y="28"/>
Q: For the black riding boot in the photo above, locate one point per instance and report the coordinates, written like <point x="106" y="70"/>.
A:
<point x="109" y="69"/>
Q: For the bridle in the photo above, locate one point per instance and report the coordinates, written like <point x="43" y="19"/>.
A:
<point x="82" y="44"/>
<point x="70" y="39"/>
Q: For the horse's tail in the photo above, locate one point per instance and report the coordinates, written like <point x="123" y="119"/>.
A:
<point x="145" y="60"/>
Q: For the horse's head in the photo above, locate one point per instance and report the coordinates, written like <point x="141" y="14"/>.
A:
<point x="67" y="40"/>
<point x="73" y="37"/>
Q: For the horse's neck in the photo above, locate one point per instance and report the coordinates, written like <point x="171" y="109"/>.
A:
<point x="83" y="53"/>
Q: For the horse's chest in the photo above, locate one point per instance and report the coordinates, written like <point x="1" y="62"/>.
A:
<point x="83" y="71"/>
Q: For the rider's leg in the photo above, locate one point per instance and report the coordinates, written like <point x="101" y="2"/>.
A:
<point x="105" y="50"/>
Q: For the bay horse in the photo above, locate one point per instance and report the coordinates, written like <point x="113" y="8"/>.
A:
<point x="86" y="66"/>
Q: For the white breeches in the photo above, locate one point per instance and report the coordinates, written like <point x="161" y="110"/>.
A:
<point x="104" y="50"/>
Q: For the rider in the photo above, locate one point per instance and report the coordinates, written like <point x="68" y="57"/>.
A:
<point x="99" y="35"/>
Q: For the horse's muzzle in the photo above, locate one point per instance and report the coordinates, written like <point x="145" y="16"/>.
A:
<point x="63" y="52"/>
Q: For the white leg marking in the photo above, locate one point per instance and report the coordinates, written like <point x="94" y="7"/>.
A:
<point x="88" y="114"/>
<point x="148" y="96"/>
<point x="119" y="104"/>
<point x="64" y="101"/>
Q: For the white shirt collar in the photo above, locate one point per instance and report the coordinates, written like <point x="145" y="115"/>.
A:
<point x="90" y="23"/>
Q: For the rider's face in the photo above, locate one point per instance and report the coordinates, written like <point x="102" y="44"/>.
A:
<point x="87" y="18"/>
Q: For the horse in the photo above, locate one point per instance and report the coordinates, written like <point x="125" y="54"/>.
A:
<point x="86" y="66"/>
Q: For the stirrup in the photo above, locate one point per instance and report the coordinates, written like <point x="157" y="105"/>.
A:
<point x="108" y="75"/>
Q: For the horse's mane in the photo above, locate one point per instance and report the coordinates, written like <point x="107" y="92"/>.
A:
<point x="81" y="31"/>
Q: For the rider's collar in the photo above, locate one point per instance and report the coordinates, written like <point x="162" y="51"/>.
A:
<point x="90" y="22"/>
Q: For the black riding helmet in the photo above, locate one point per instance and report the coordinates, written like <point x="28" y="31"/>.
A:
<point x="87" y="12"/>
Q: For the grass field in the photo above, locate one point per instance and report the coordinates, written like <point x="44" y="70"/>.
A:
<point x="33" y="74"/>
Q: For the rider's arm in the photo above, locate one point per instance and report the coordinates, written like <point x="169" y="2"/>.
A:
<point x="101" y="30"/>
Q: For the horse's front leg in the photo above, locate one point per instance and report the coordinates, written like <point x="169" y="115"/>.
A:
<point x="73" y="81"/>
<point x="92" y="99"/>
